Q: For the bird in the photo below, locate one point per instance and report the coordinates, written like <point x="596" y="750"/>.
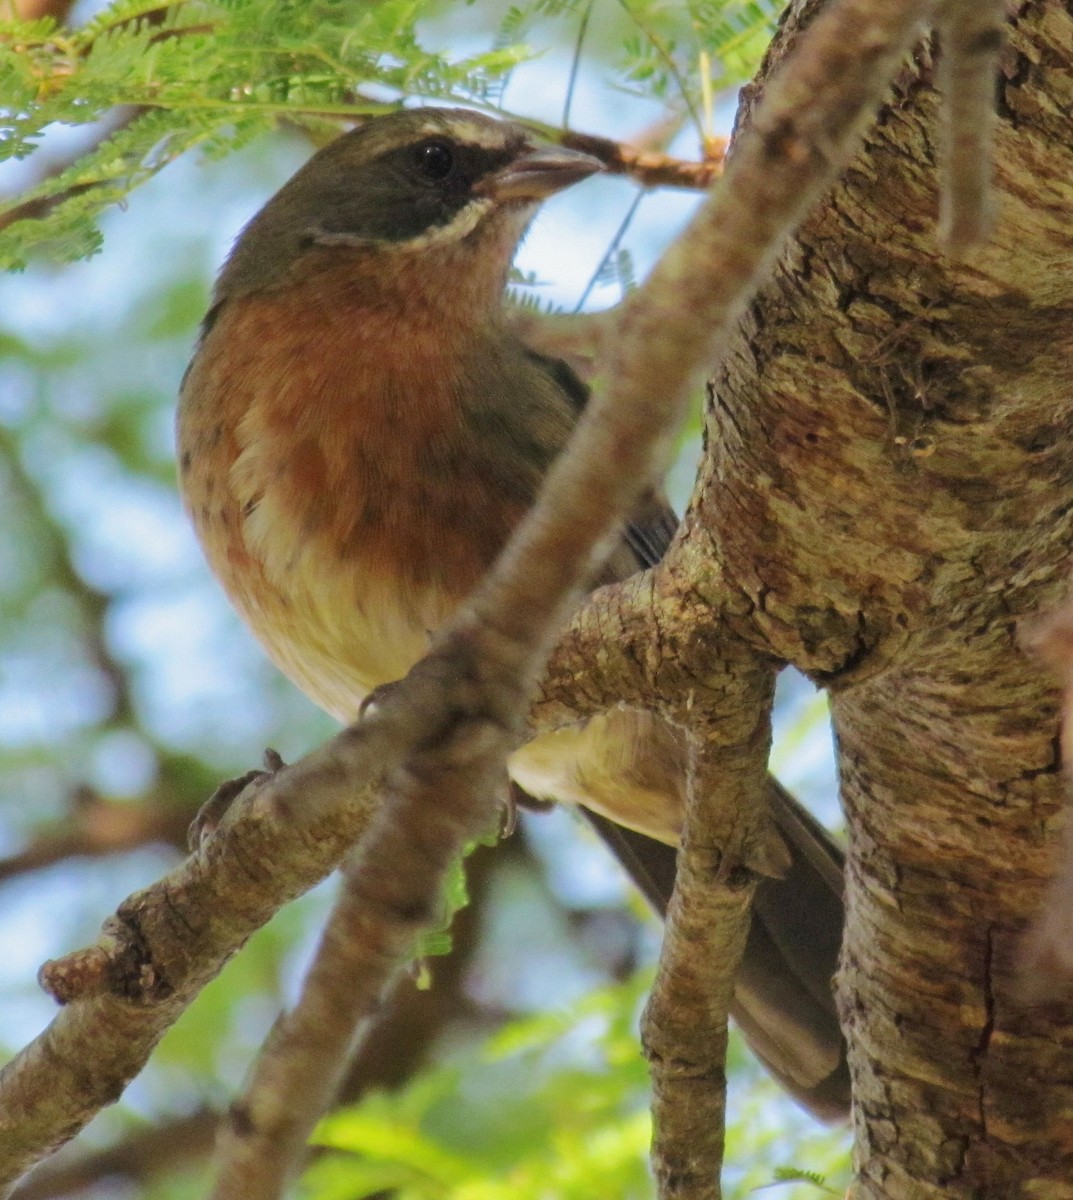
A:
<point x="358" y="433"/>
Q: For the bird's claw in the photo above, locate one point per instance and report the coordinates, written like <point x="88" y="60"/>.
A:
<point x="376" y="698"/>
<point x="517" y="798"/>
<point x="508" y="814"/>
<point x="211" y="813"/>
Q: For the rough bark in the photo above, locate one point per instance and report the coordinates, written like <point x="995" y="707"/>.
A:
<point x="884" y="496"/>
<point x="888" y="487"/>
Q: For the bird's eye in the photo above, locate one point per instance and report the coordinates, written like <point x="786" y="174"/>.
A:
<point x="435" y="160"/>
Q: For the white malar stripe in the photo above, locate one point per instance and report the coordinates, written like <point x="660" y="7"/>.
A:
<point x="462" y="223"/>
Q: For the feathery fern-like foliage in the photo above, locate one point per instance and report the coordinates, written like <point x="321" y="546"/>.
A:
<point x="152" y="80"/>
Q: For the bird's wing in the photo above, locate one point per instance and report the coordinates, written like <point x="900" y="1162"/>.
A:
<point x="653" y="523"/>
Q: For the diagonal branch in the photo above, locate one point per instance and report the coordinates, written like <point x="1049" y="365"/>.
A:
<point x="166" y="942"/>
<point x="93" y="826"/>
<point x="303" y="1061"/>
<point x="437" y="747"/>
<point x="495" y="646"/>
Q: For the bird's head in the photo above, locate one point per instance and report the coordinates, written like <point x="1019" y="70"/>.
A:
<point x="443" y="190"/>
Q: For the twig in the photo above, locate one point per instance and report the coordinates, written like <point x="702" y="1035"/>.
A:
<point x="684" y="1029"/>
<point x="307" y="1056"/>
<point x="303" y="1061"/>
<point x="469" y="692"/>
<point x="56" y="549"/>
<point x="972" y="34"/>
<point x="649" y="168"/>
<point x="166" y="942"/>
<point x="575" y="62"/>
<point x="409" y="1023"/>
<point x="143" y="1155"/>
<point x="612" y="246"/>
<point x="93" y="827"/>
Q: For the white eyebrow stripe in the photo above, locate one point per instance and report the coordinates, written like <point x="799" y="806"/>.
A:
<point x="487" y="136"/>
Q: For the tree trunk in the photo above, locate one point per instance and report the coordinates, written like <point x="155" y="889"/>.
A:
<point x="888" y="484"/>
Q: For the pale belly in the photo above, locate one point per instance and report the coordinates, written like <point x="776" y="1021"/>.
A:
<point x="340" y="636"/>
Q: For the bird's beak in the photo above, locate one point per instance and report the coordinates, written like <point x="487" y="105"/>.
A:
<point x="539" y="172"/>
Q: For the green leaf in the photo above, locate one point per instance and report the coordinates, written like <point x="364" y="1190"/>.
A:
<point x="784" y="1175"/>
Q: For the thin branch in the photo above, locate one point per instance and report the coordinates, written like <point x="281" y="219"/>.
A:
<point x="397" y="1042"/>
<point x="575" y="63"/>
<point x="38" y="207"/>
<point x="93" y="827"/>
<point x="441" y="798"/>
<point x="410" y="1022"/>
<point x="664" y="53"/>
<point x="612" y="247"/>
<point x="972" y="34"/>
<point x="303" y="1061"/>
<point x="55" y="547"/>
<point x="308" y="1055"/>
<point x="142" y="1156"/>
<point x="649" y="168"/>
<point x="724" y="855"/>
<point x="166" y="942"/>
